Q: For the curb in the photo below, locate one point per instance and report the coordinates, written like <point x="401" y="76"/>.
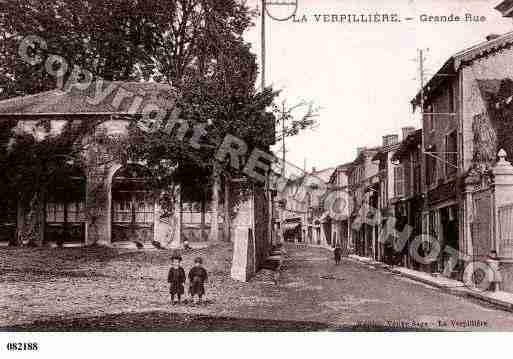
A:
<point x="462" y="291"/>
<point x="494" y="301"/>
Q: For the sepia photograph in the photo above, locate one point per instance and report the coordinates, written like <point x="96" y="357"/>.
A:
<point x="254" y="166"/>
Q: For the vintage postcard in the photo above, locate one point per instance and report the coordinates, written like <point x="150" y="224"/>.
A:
<point x="255" y="166"/>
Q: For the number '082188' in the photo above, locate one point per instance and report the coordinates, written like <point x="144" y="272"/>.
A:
<point x="22" y="346"/>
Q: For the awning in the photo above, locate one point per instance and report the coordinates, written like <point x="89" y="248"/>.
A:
<point x="291" y="226"/>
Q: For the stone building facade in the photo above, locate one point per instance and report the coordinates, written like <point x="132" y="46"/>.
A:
<point x="110" y="202"/>
<point x="461" y="143"/>
<point x="363" y="185"/>
<point x="302" y="211"/>
<point x="391" y="187"/>
<point x="338" y="206"/>
<point x="407" y="206"/>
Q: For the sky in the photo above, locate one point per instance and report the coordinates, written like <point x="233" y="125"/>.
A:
<point x="362" y="76"/>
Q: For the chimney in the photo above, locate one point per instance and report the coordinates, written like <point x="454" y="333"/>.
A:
<point x="407" y="131"/>
<point x="314" y="169"/>
<point x="389" y="140"/>
<point x="492" y="37"/>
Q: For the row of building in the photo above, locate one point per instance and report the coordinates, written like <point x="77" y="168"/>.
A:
<point x="450" y="179"/>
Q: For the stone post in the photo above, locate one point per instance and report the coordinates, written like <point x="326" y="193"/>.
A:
<point x="470" y="183"/>
<point x="503" y="195"/>
<point x="178" y="218"/>
<point x="244" y="260"/>
<point x="98" y="204"/>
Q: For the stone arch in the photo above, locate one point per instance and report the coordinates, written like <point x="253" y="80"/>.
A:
<point x="133" y="205"/>
<point x="65" y="207"/>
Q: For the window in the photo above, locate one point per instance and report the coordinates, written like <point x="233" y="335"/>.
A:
<point x="451" y="100"/>
<point x="74" y="212"/>
<point x="399" y="181"/>
<point x="122" y="211"/>
<point x="357" y="175"/>
<point x="434" y="223"/>
<point x="55" y="212"/>
<point x="407" y="174"/>
<point x="451" y="155"/>
<point x="137" y="206"/>
<point x="416" y="165"/>
<point x="428" y="118"/>
<point x="425" y="223"/>
<point x="383" y="195"/>
<point x="431" y="167"/>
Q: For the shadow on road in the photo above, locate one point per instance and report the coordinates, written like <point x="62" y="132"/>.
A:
<point x="156" y="321"/>
<point x="165" y="321"/>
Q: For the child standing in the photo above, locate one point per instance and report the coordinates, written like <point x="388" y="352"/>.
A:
<point x="197" y="278"/>
<point x="176" y="278"/>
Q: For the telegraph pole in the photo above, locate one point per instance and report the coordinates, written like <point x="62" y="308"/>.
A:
<point x="283" y="150"/>
<point x="422" y="144"/>
<point x="423" y="153"/>
<point x="263" y="44"/>
<point x="262" y="84"/>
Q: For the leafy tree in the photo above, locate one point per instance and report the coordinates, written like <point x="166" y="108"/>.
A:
<point x="195" y="45"/>
<point x="163" y="40"/>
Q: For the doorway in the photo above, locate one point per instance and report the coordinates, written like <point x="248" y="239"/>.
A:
<point x="450" y="235"/>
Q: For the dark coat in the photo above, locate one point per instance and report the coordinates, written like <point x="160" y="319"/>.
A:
<point x="337" y="252"/>
<point x="197" y="278"/>
<point x="176" y="279"/>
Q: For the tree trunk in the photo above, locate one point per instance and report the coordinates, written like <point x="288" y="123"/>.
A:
<point x="32" y="226"/>
<point x="20" y="223"/>
<point x="41" y="216"/>
<point x="227" y="221"/>
<point x="214" y="216"/>
<point x="203" y="235"/>
<point x="179" y="231"/>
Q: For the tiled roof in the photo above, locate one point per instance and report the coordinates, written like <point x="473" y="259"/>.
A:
<point x="91" y="101"/>
<point x="411" y="142"/>
<point x="482" y="48"/>
<point x="371" y="152"/>
<point x="453" y="64"/>
<point x="324" y="175"/>
<point x="313" y="178"/>
<point x="386" y="149"/>
<point x="344" y="166"/>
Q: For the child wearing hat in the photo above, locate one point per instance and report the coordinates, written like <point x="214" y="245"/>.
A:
<point x="176" y="278"/>
<point x="197" y="278"/>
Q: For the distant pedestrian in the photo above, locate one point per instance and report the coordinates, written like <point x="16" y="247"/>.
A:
<point x="279" y="267"/>
<point x="60" y="237"/>
<point x="197" y="278"/>
<point x="176" y="279"/>
<point x="337" y="252"/>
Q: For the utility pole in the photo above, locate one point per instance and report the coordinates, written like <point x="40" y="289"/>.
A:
<point x="270" y="204"/>
<point x="423" y="155"/>
<point x="263" y="44"/>
<point x="422" y="144"/>
<point x="283" y="150"/>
